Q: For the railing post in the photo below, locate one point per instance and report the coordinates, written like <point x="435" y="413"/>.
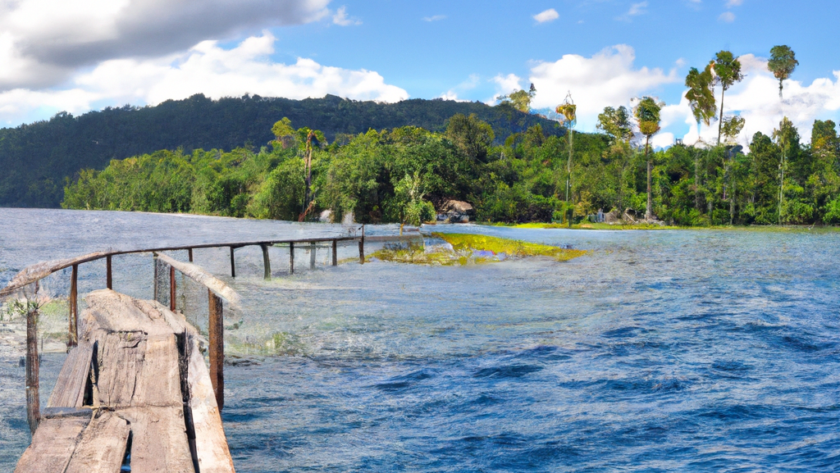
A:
<point x="291" y="257"/>
<point x="172" y="289"/>
<point x="232" y="264"/>
<point x="312" y="255"/>
<point x="266" y="262"/>
<point x="217" y="347"/>
<point x="109" y="282"/>
<point x="155" y="286"/>
<point x="73" y="337"/>
<point x="335" y="253"/>
<point x="189" y="253"/>
<point x="33" y="401"/>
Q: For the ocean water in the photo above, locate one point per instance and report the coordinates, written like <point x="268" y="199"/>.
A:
<point x="657" y="351"/>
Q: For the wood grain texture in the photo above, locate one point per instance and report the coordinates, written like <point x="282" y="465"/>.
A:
<point x="102" y="445"/>
<point x="69" y="389"/>
<point x="159" y="439"/>
<point x="52" y="445"/>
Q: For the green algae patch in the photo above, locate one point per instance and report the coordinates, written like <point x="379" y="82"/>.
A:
<point x="598" y="226"/>
<point x="513" y="248"/>
<point x="416" y="254"/>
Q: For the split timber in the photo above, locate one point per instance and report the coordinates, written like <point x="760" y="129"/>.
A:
<point x="136" y="391"/>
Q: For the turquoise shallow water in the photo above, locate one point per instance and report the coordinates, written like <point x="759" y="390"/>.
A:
<point x="658" y="351"/>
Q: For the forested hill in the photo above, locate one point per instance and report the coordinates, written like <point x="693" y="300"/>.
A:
<point x="36" y="158"/>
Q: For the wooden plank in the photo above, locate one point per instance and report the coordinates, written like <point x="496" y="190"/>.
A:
<point x="199" y="275"/>
<point x="211" y="444"/>
<point x="69" y="390"/>
<point x="158" y="439"/>
<point x="121" y="356"/>
<point x="115" y="312"/>
<point x="159" y="380"/>
<point x="52" y="445"/>
<point x="102" y="445"/>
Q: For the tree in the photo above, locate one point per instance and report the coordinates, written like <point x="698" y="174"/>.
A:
<point x="283" y="127"/>
<point x="615" y="122"/>
<point x="470" y="135"/>
<point x="307" y="135"/>
<point x="520" y="99"/>
<point x="569" y="111"/>
<point x="786" y="136"/>
<point x="701" y="95"/>
<point x="782" y="63"/>
<point x="727" y="70"/>
<point x="647" y="114"/>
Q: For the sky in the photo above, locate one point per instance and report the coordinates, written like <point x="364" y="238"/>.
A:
<point x="76" y="56"/>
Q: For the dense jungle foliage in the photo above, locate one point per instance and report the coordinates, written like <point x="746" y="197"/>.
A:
<point x="36" y="158"/>
<point x="403" y="174"/>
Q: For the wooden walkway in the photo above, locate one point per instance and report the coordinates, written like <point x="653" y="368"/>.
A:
<point x="135" y="392"/>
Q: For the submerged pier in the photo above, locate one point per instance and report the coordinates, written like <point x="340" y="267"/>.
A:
<point x="134" y="393"/>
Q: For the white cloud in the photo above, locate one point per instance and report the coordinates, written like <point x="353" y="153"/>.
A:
<point x="434" y="18"/>
<point x="727" y="17"/>
<point x="205" y="68"/>
<point x="43" y="42"/>
<point x="734" y="3"/>
<point x="504" y="86"/>
<point x="608" y="78"/>
<point x="341" y="19"/>
<point x="469" y="84"/>
<point x="636" y="9"/>
<point x="547" y="15"/>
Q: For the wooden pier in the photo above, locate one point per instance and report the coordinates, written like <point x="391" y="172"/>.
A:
<point x="134" y="393"/>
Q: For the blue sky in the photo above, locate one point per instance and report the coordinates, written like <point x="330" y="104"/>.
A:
<point x="87" y="55"/>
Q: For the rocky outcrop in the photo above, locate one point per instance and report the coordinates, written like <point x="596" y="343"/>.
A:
<point x="455" y="211"/>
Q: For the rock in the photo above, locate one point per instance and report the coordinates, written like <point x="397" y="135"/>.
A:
<point x="628" y="217"/>
<point x="612" y="216"/>
<point x="455" y="211"/>
<point x="349" y="219"/>
<point x="326" y="216"/>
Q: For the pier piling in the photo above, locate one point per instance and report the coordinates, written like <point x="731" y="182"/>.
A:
<point x="292" y="257"/>
<point x="73" y="336"/>
<point x="334" y="252"/>
<point x="232" y="263"/>
<point x="216" y="331"/>
<point x="266" y="262"/>
<point x="33" y="400"/>
<point x="312" y="255"/>
<point x="109" y="282"/>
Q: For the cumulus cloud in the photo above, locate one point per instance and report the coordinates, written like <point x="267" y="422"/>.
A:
<point x="734" y="3"/>
<point x="44" y="41"/>
<point x="205" y="68"/>
<point x="505" y="84"/>
<point x="434" y="18"/>
<point x="608" y="78"/>
<point x="547" y="15"/>
<point x="342" y="19"/>
<point x="727" y="17"/>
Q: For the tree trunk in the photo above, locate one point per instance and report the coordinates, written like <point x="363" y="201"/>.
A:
<point x="648" y="211"/>
<point x="720" y="122"/>
<point x="697" y="181"/>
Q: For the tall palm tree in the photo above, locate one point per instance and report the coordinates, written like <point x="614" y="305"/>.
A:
<point x="569" y="111"/>
<point x="782" y="63"/>
<point x="727" y="70"/>
<point x="701" y="99"/>
<point x="647" y="113"/>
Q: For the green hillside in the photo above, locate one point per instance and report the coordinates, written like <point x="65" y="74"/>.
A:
<point x="37" y="158"/>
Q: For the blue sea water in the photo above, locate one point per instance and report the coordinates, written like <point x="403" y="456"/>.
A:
<point x="657" y="351"/>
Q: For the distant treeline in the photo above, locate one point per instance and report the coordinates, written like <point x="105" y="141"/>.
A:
<point x="403" y="174"/>
<point x="37" y="158"/>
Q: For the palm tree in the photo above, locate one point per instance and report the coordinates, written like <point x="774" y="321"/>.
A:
<point x="727" y="70"/>
<point x="701" y="99"/>
<point x="569" y="111"/>
<point x="647" y="113"/>
<point x="782" y="64"/>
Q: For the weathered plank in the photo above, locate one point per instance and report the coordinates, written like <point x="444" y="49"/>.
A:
<point x="52" y="445"/>
<point x="159" y="380"/>
<point x="159" y="439"/>
<point x="121" y="356"/>
<point x="102" y="445"/>
<point x="211" y="444"/>
<point x="115" y="312"/>
<point x="69" y="389"/>
<point x="199" y="275"/>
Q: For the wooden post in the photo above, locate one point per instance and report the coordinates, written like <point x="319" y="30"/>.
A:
<point x="291" y="257"/>
<point x="266" y="262"/>
<point x="335" y="253"/>
<point x="33" y="401"/>
<point x="362" y="247"/>
<point x="108" y="279"/>
<point x="73" y="338"/>
<point x="232" y="264"/>
<point x="189" y="253"/>
<point x="172" y="289"/>
<point x="217" y="347"/>
<point x="312" y="255"/>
